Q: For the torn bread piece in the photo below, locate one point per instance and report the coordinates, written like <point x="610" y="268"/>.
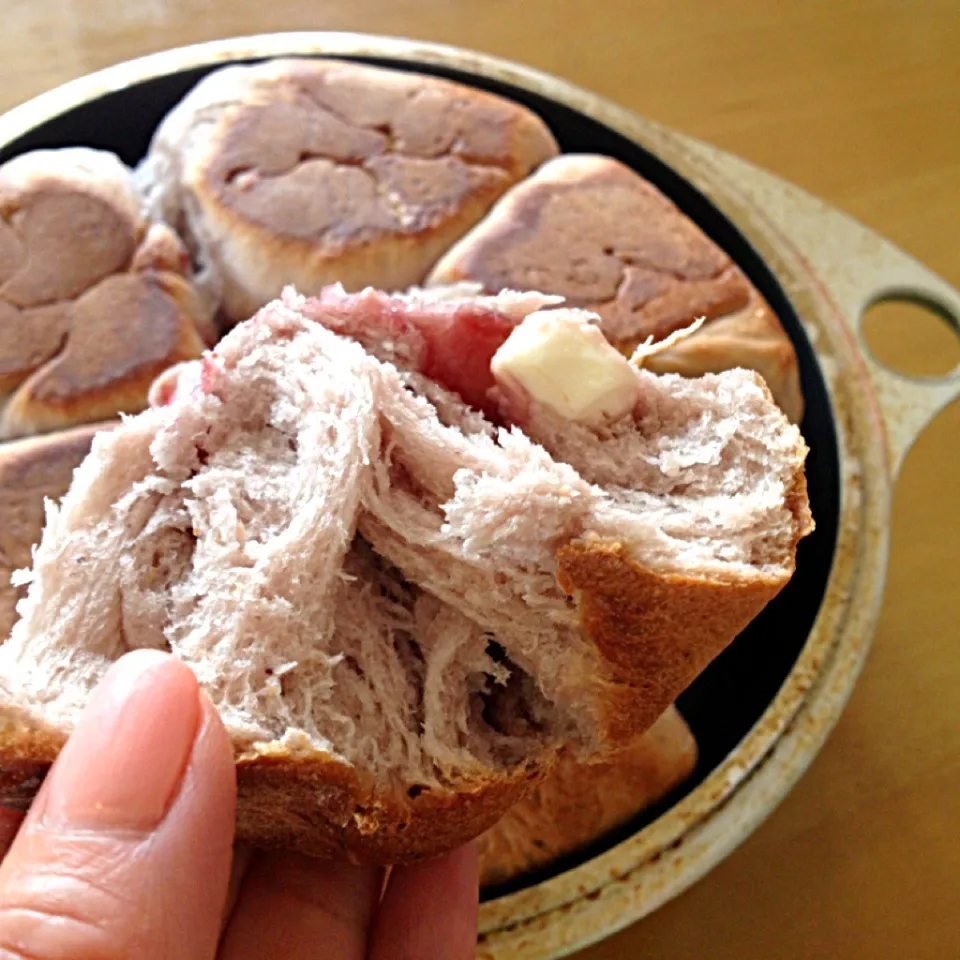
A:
<point x="94" y="298"/>
<point x="311" y="171"/>
<point x="402" y="612"/>
<point x="590" y="229"/>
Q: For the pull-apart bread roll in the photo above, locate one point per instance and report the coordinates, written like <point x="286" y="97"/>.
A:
<point x="309" y="172"/>
<point x="590" y="229"/>
<point x="402" y="611"/>
<point x="93" y="299"/>
<point x="577" y="803"/>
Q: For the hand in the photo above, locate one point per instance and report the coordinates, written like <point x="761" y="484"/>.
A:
<point x="128" y="852"/>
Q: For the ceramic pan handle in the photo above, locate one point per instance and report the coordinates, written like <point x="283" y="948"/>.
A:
<point x="857" y="268"/>
<point x="861" y="269"/>
<point x="854" y="268"/>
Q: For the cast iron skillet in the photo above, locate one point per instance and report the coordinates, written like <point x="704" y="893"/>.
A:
<point x="725" y="702"/>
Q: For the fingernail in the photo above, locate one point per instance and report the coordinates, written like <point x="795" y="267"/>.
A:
<point x="123" y="764"/>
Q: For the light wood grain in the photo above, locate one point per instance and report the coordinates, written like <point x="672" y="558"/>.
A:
<point x="858" y="102"/>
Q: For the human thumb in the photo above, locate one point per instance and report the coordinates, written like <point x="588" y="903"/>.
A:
<point x="126" y="851"/>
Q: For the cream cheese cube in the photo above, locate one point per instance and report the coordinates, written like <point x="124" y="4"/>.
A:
<point x="564" y="362"/>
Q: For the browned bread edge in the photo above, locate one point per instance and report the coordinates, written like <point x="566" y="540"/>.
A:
<point x="307" y="802"/>
<point x="659" y="631"/>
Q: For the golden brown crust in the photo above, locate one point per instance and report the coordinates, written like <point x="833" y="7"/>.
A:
<point x="30" y="472"/>
<point x="305" y="802"/>
<point x="322" y="809"/>
<point x="321" y="171"/>
<point x="591" y="230"/>
<point x="658" y="631"/>
<point x="576" y="803"/>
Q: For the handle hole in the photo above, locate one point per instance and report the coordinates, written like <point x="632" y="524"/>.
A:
<point x="912" y="335"/>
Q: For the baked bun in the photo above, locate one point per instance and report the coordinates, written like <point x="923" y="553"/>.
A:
<point x="309" y="172"/>
<point x="577" y="803"/>
<point x="591" y="230"/>
<point x="402" y="613"/>
<point x="93" y="300"/>
<point x="32" y="471"/>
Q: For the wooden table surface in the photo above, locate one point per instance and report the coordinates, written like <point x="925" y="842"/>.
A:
<point x="859" y="102"/>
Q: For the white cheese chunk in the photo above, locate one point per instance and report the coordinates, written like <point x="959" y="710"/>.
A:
<point x="564" y="362"/>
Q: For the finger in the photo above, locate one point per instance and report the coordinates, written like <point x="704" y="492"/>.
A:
<point x="238" y="873"/>
<point x="10" y="821"/>
<point x="126" y="851"/>
<point x="430" y="909"/>
<point x="297" y="908"/>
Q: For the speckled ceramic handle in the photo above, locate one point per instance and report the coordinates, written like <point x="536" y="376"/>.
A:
<point x="861" y="269"/>
<point x="856" y="268"/>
